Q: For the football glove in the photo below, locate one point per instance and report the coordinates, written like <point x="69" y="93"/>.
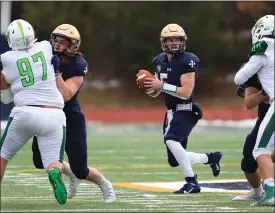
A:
<point x="241" y="91"/>
<point x="56" y="63"/>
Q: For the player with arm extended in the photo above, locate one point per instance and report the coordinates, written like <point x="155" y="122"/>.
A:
<point x="253" y="95"/>
<point x="177" y="70"/>
<point x="73" y="67"/>
<point x="261" y="62"/>
<point x="28" y="79"/>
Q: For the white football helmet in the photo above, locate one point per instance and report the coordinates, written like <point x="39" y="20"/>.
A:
<point x="20" y="35"/>
<point x="263" y="27"/>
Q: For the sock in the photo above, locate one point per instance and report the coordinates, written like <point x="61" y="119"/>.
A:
<point x="102" y="181"/>
<point x="67" y="168"/>
<point x="181" y="156"/>
<point x="269" y="182"/>
<point x="197" y="157"/>
<point x="258" y="191"/>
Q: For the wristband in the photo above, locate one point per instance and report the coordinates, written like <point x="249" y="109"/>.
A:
<point x="169" y="88"/>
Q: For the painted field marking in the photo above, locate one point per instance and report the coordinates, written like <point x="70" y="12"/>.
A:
<point x="172" y="186"/>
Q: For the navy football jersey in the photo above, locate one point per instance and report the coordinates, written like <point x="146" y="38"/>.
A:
<point x="170" y="72"/>
<point x="255" y="82"/>
<point x="77" y="66"/>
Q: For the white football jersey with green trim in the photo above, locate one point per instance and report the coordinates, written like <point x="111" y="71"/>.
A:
<point x="266" y="73"/>
<point x="262" y="63"/>
<point x="31" y="76"/>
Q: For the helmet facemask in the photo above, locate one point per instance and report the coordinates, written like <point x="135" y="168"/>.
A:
<point x="70" y="44"/>
<point x="165" y="48"/>
<point x="71" y="34"/>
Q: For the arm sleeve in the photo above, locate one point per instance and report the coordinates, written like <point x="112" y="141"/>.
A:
<point x="255" y="63"/>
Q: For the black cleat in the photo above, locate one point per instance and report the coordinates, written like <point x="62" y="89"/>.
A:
<point x="191" y="186"/>
<point x="214" y="161"/>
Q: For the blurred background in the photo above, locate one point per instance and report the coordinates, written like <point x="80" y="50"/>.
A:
<point x="119" y="38"/>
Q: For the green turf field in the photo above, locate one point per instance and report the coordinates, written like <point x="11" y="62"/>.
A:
<point x="130" y="157"/>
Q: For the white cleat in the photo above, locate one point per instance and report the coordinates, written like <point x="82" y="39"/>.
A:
<point x="107" y="191"/>
<point x="249" y="196"/>
<point x="74" y="181"/>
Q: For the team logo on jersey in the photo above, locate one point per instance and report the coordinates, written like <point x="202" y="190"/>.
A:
<point x="169" y="69"/>
<point x="192" y="64"/>
<point x="158" y="68"/>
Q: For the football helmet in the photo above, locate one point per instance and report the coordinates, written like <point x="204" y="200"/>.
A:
<point x="20" y="35"/>
<point x="173" y="30"/>
<point x="69" y="32"/>
<point x="263" y="27"/>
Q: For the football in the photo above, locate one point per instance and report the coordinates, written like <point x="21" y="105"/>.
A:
<point x="141" y="77"/>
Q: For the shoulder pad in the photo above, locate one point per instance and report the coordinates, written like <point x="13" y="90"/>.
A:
<point x="157" y="57"/>
<point x="258" y="48"/>
<point x="189" y="56"/>
<point x="189" y="62"/>
<point x="154" y="60"/>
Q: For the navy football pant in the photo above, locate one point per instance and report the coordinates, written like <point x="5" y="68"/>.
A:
<point x="76" y="146"/>
<point x="249" y="164"/>
<point x="177" y="126"/>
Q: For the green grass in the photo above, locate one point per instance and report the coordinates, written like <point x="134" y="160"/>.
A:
<point x="131" y="156"/>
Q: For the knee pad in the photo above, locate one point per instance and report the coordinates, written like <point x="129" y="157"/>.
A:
<point x="249" y="165"/>
<point x="80" y="173"/>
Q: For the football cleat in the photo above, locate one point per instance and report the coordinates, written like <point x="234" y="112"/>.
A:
<point x="249" y="196"/>
<point x="267" y="199"/>
<point x="191" y="186"/>
<point x="58" y="186"/>
<point x="214" y="161"/>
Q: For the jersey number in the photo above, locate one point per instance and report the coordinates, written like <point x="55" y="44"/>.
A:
<point x="25" y="69"/>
